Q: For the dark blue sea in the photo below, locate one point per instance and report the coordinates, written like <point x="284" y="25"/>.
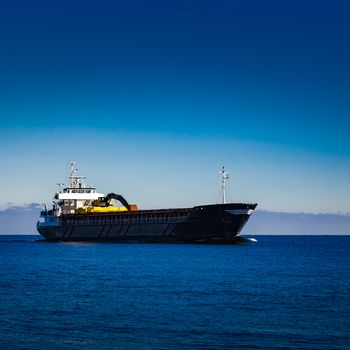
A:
<point x="283" y="292"/>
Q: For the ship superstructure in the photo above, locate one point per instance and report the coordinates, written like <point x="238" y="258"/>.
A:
<point x="76" y="194"/>
<point x="80" y="213"/>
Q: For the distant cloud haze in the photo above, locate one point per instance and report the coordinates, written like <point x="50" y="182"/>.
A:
<point x="268" y="222"/>
<point x="22" y="220"/>
<point x="19" y="219"/>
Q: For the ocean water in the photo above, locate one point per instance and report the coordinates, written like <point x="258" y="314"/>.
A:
<point x="283" y="292"/>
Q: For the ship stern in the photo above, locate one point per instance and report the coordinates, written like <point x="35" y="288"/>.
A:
<point x="49" y="225"/>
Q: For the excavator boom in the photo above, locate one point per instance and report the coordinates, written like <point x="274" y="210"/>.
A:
<point x="117" y="197"/>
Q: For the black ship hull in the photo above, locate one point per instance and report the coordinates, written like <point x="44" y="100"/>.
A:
<point x="207" y="223"/>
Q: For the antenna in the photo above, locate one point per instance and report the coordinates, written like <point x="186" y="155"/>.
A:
<point x="72" y="168"/>
<point x="224" y="176"/>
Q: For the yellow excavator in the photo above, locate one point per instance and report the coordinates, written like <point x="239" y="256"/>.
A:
<point x="104" y="205"/>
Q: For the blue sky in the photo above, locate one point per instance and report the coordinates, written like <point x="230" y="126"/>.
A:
<point x="151" y="98"/>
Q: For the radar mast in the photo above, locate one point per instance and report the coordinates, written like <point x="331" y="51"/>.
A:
<point x="74" y="180"/>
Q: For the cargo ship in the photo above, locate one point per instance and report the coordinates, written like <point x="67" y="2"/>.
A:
<point x="80" y="213"/>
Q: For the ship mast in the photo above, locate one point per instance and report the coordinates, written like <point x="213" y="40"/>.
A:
<point x="74" y="180"/>
<point x="224" y="176"/>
